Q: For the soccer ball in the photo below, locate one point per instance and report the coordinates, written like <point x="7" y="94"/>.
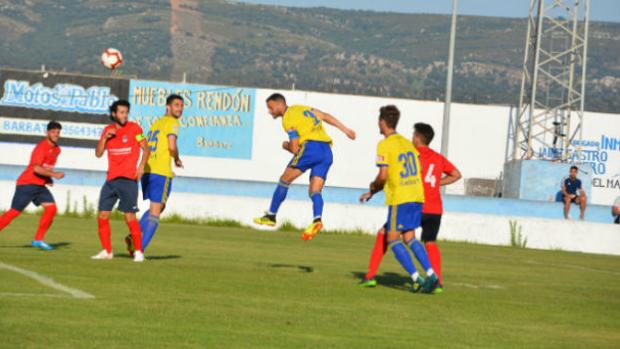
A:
<point x="111" y="58"/>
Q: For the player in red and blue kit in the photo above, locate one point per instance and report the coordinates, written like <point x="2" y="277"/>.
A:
<point x="436" y="172"/>
<point x="31" y="185"/>
<point x="123" y="140"/>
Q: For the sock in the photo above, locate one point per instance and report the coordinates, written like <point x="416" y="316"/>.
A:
<point x="104" y="234"/>
<point x="144" y="219"/>
<point x="420" y="254"/>
<point x="136" y="234"/>
<point x="7" y="217"/>
<point x="278" y="197"/>
<point x="376" y="255"/>
<point x="49" y="211"/>
<point x="148" y="230"/>
<point x="402" y="256"/>
<point x="317" y="205"/>
<point x="435" y="258"/>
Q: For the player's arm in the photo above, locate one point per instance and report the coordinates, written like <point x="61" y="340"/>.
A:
<point x="37" y="160"/>
<point x="292" y="145"/>
<point x="174" y="150"/>
<point x="330" y="119"/>
<point x="450" y="177"/>
<point x="100" y="149"/>
<point x="376" y="185"/>
<point x="564" y="192"/>
<point x="615" y="210"/>
<point x="146" y="152"/>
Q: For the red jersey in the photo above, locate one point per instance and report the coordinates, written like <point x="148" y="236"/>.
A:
<point x="123" y="150"/>
<point x="44" y="154"/>
<point x="434" y="165"/>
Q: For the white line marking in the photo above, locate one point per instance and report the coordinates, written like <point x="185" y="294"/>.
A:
<point x="493" y="287"/>
<point x="47" y="281"/>
<point x="15" y="294"/>
<point x="573" y="266"/>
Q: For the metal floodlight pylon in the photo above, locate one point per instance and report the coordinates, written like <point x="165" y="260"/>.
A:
<point x="549" y="119"/>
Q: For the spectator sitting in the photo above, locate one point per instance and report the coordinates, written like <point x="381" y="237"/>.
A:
<point x="615" y="210"/>
<point x="572" y="191"/>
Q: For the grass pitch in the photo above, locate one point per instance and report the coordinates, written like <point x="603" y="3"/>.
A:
<point x="219" y="287"/>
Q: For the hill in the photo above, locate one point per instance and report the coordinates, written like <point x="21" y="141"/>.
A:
<point x="356" y="52"/>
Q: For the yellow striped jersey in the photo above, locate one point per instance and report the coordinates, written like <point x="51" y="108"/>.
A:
<point x="301" y="123"/>
<point x="404" y="183"/>
<point x="160" y="161"/>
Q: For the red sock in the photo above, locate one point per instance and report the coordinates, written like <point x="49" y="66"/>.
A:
<point x="376" y="255"/>
<point x="136" y="234"/>
<point x="49" y="211"/>
<point x="104" y="234"/>
<point x="435" y="258"/>
<point x="7" y="217"/>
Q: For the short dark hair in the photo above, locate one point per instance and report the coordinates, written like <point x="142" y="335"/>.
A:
<point x="173" y="97"/>
<point x="276" y="97"/>
<point x="54" y="125"/>
<point x="120" y="102"/>
<point x="574" y="168"/>
<point x="390" y="114"/>
<point x="426" y="131"/>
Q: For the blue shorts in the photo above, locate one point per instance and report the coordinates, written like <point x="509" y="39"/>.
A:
<point x="404" y="217"/>
<point x="123" y="190"/>
<point x="27" y="193"/>
<point x="316" y="156"/>
<point x="156" y="188"/>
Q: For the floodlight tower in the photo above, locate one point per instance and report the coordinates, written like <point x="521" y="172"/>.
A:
<point x="550" y="113"/>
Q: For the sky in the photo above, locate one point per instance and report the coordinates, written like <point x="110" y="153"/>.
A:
<point x="600" y="10"/>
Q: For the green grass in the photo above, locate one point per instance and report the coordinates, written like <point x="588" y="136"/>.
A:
<point x="230" y="287"/>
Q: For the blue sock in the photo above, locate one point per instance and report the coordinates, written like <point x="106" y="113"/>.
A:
<point x="317" y="205"/>
<point x="402" y="256"/>
<point x="278" y="197"/>
<point x="144" y="219"/>
<point x="420" y="253"/>
<point x="148" y="228"/>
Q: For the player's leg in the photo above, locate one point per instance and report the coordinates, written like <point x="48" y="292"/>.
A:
<point x="319" y="159"/>
<point x="430" y="230"/>
<point x="158" y="192"/>
<point x="128" y="204"/>
<point x="20" y="201"/>
<point x="107" y="200"/>
<point x="582" y="206"/>
<point x="279" y="195"/>
<point x="376" y="256"/>
<point x="567" y="202"/>
<point x="45" y="199"/>
<point x="410" y="220"/>
<point x="395" y="244"/>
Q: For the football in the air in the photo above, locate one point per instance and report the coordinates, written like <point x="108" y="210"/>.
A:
<point x="111" y="58"/>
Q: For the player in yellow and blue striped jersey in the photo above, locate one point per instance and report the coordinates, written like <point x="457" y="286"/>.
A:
<point x="157" y="179"/>
<point x="311" y="149"/>
<point x="400" y="177"/>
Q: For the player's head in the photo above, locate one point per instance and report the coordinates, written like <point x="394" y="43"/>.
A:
<point x="119" y="111"/>
<point x="423" y="134"/>
<point x="573" y="172"/>
<point x="174" y="105"/>
<point x="276" y="103"/>
<point x="53" y="131"/>
<point x="388" y="119"/>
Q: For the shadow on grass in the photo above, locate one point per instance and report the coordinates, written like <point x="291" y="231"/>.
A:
<point x="391" y="280"/>
<point x="149" y="257"/>
<point x="56" y="245"/>
<point x="302" y="268"/>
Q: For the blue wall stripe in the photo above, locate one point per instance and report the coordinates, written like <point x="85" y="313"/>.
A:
<point x="452" y="203"/>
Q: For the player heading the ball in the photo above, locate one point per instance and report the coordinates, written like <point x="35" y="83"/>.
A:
<point x="311" y="149"/>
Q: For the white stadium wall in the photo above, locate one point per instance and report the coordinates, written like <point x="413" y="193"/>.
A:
<point x="478" y="136"/>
